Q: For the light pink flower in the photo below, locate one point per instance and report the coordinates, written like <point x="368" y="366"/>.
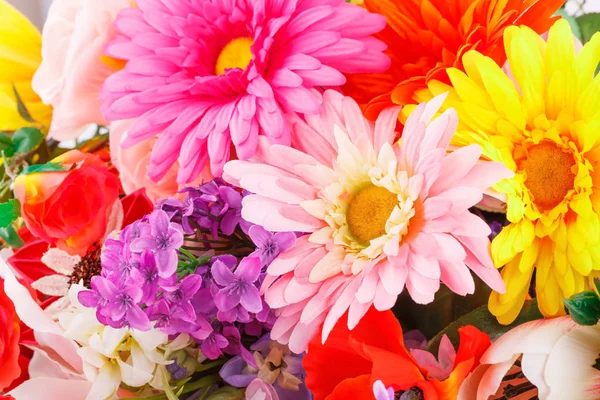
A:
<point x="133" y="163"/>
<point x="382" y="216"/>
<point x="73" y="66"/>
<point x="206" y="74"/>
<point x="552" y="359"/>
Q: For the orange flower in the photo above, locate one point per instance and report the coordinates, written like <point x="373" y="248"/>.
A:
<point x="9" y="341"/>
<point x="425" y="37"/>
<point x="350" y="362"/>
<point x="70" y="209"/>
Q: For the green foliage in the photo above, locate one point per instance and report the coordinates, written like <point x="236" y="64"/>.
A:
<point x="21" y="108"/>
<point x="584" y="308"/>
<point x="9" y="211"/>
<point x="6" y="145"/>
<point x="572" y="21"/>
<point x="482" y="319"/>
<point x="446" y="307"/>
<point x="11" y="237"/>
<point x="27" y="139"/>
<point x="589" y="24"/>
<point x="48" y="167"/>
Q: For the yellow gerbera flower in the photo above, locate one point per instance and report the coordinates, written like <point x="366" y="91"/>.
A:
<point x="543" y="122"/>
<point x="20" y="56"/>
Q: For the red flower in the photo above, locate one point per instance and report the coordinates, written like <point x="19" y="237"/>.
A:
<point x="9" y="341"/>
<point x="28" y="259"/>
<point x="135" y="206"/>
<point x="350" y="362"/>
<point x="69" y="209"/>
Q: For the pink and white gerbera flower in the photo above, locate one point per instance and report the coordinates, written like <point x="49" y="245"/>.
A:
<point x="382" y="216"/>
<point x="209" y="73"/>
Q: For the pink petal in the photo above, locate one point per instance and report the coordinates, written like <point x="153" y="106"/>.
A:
<point x="385" y="127"/>
<point x="457" y="277"/>
<point x="52" y="389"/>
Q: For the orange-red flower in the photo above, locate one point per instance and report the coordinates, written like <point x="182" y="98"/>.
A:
<point x="71" y="208"/>
<point x="9" y="341"/>
<point x="350" y="362"/>
<point x="425" y="37"/>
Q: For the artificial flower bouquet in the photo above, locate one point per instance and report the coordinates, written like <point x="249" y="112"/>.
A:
<point x="300" y="199"/>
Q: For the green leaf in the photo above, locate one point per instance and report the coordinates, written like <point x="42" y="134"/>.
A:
<point x="6" y="145"/>
<point x="168" y="391"/>
<point x="572" y="21"/>
<point x="9" y="211"/>
<point x="21" y="108"/>
<point x="48" y="167"/>
<point x="445" y="308"/>
<point x="584" y="308"/>
<point x="11" y="237"/>
<point x="589" y="24"/>
<point x="27" y="139"/>
<point x="482" y="319"/>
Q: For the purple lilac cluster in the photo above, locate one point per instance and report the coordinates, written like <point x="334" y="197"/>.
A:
<point x="192" y="266"/>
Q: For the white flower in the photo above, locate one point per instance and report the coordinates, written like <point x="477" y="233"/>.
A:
<point x="113" y="356"/>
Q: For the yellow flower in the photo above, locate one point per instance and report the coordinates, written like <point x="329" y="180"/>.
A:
<point x="542" y="122"/>
<point x="20" y="56"/>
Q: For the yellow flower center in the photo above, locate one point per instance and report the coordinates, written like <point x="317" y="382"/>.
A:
<point x="235" y="54"/>
<point x="548" y="169"/>
<point x="369" y="211"/>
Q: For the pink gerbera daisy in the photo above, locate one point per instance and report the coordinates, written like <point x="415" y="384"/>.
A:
<point x="209" y="73"/>
<point x="383" y="215"/>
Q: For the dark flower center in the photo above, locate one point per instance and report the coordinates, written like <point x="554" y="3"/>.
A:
<point x="124" y="300"/>
<point x="163" y="242"/>
<point x="150" y="275"/>
<point x="177" y="296"/>
<point x="271" y="248"/>
<point x="413" y="393"/>
<point x="88" y="267"/>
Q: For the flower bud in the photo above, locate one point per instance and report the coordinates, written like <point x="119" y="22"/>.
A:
<point x="183" y="365"/>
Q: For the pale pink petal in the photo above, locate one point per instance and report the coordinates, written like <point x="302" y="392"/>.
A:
<point x="52" y="389"/>
<point x="385" y="127"/>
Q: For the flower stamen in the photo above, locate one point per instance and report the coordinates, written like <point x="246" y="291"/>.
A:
<point x="369" y="211"/>
<point x="549" y="175"/>
<point x="236" y="54"/>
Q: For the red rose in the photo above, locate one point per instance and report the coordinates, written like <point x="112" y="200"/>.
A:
<point x="69" y="209"/>
<point x="9" y="341"/>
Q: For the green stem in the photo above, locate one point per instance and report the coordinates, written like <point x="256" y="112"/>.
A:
<point x="210" y="365"/>
<point x="207" y="381"/>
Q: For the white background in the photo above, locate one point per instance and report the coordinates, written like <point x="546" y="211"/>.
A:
<point x="36" y="9"/>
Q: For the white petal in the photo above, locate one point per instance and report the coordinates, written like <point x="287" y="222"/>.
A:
<point x="533" y="366"/>
<point x="52" y="285"/>
<point x="60" y="261"/>
<point x="569" y="370"/>
<point x="151" y="339"/>
<point x="106" y="384"/>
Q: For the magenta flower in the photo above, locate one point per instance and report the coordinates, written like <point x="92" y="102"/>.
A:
<point x="119" y="305"/>
<point x="213" y="342"/>
<point x="205" y="74"/>
<point x="146" y="276"/>
<point x="269" y="245"/>
<point x="161" y="314"/>
<point x="238" y="288"/>
<point x="164" y="240"/>
<point x="179" y="297"/>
